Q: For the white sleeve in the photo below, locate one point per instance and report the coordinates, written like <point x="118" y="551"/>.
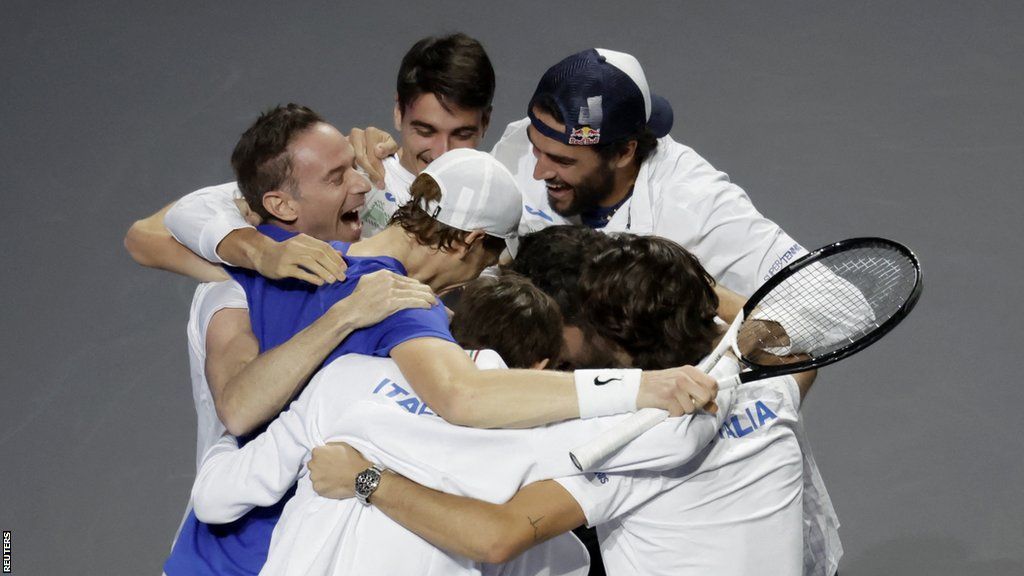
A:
<point x="701" y="209"/>
<point x="234" y="480"/>
<point x="203" y="218"/>
<point x="604" y="497"/>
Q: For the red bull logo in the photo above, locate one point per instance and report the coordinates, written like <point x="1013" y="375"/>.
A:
<point x="585" y="136"/>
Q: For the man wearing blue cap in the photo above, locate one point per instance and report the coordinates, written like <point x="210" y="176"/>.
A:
<point x="596" y="150"/>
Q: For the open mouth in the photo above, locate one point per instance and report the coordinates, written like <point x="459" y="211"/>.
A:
<point x="558" y="190"/>
<point x="351" y="218"/>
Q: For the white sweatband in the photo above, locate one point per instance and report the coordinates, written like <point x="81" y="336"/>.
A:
<point x="607" y="391"/>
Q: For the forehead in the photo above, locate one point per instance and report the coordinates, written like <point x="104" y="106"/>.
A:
<point x="553" y="147"/>
<point x="427" y="109"/>
<point x="320" y="149"/>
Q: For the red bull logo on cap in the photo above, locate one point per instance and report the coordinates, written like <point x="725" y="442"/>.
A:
<point x="585" y="136"/>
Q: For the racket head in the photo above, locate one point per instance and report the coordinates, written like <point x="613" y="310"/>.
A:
<point x="885" y="273"/>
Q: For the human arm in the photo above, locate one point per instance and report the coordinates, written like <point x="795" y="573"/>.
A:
<point x="215" y="224"/>
<point x="456" y="390"/>
<point x="232" y="481"/>
<point x="249" y="388"/>
<point x="150" y="244"/>
<point x="371" y="147"/>
<point x="480" y="530"/>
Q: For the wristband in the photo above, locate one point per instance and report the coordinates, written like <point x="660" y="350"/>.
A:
<point x="607" y="391"/>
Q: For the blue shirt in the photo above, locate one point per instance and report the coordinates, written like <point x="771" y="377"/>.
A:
<point x="279" y="309"/>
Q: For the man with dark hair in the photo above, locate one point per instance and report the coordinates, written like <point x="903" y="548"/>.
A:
<point x="595" y="149"/>
<point x="506" y="313"/>
<point x="443" y="101"/>
<point x="734" y="510"/>
<point x="666" y="319"/>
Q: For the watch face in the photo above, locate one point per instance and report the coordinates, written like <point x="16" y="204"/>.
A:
<point x="366" y="483"/>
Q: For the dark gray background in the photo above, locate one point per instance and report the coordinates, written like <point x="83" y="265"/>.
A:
<point x="899" y="119"/>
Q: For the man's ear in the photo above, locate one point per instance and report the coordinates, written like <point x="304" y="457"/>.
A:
<point x="473" y="239"/>
<point x="398" y="115"/>
<point x="281" y="205"/>
<point x="627" y="155"/>
<point x="541" y="365"/>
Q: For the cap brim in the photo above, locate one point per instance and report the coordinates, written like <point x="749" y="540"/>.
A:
<point x="662" y="116"/>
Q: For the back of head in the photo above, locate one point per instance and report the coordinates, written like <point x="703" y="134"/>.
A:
<point x="261" y="161"/>
<point x="553" y="260"/>
<point x="652" y="298"/>
<point x="462" y="191"/>
<point x="510" y="315"/>
<point x="454" y="68"/>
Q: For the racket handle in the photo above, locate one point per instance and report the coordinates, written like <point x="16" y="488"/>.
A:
<point x="588" y="455"/>
<point x="730" y="382"/>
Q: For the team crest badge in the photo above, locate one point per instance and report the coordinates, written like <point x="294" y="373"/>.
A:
<point x="585" y="136"/>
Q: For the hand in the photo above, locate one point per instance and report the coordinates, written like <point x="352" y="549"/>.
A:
<point x="678" y="390"/>
<point x="302" y="257"/>
<point x="381" y="294"/>
<point x="333" y="470"/>
<point x="372" y="146"/>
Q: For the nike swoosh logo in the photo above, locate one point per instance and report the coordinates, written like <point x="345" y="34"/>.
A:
<point x="599" y="382"/>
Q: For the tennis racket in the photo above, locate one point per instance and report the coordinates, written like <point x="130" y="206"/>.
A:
<point x="823" y="307"/>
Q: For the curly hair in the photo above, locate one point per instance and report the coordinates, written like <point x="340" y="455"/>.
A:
<point x="652" y="298"/>
<point x="425" y="229"/>
<point x="511" y="316"/>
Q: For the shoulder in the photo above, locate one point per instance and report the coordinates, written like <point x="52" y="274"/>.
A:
<point x="227" y="188"/>
<point x="513" y="143"/>
<point x="211" y="297"/>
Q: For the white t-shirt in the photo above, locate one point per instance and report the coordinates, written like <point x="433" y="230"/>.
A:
<point x="381" y="204"/>
<point x="733" y="511"/>
<point x="366" y="402"/>
<point x="209" y="298"/>
<point x="677" y="195"/>
<point x="201" y="219"/>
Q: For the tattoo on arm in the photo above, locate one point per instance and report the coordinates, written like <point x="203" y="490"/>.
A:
<point x="534" y="523"/>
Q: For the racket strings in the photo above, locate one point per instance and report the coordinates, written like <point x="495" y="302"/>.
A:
<point x="828" y="305"/>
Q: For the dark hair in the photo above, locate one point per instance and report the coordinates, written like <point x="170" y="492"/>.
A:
<point x="430" y="232"/>
<point x="652" y="298"/>
<point x="261" y="160"/>
<point x="553" y="259"/>
<point x="511" y="316"/>
<point x="454" y="68"/>
<point x="646" y="141"/>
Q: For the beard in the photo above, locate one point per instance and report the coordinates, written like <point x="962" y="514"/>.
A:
<point x="589" y="192"/>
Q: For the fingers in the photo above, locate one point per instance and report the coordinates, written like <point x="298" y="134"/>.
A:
<point x="680" y="391"/>
<point x="371" y="146"/>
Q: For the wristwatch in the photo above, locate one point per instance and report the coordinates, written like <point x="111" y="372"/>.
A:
<point x="367" y="482"/>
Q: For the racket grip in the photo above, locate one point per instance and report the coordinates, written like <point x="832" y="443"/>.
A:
<point x="729" y="383"/>
<point x="585" y="457"/>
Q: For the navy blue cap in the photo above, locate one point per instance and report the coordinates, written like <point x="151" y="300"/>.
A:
<point x="603" y="97"/>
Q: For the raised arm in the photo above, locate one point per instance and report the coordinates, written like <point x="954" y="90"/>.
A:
<point x="150" y="244"/>
<point x="250" y="388"/>
<point x="479" y="530"/>
<point x="371" y="147"/>
<point x="459" y="392"/>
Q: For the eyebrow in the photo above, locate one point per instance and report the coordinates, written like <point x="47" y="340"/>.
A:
<point x="334" y="172"/>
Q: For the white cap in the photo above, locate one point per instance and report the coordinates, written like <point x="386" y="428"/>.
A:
<point x="477" y="193"/>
